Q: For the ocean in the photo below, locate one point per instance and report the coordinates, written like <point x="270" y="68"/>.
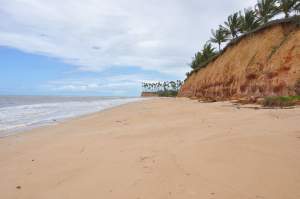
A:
<point x="18" y="113"/>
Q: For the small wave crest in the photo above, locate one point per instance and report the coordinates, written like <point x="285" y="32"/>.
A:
<point x="14" y="118"/>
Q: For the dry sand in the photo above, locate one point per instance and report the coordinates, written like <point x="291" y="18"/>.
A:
<point x="158" y="149"/>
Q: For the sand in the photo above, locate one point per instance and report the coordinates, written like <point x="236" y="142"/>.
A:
<point x="158" y="149"/>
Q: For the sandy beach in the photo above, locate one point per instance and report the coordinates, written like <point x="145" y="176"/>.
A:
<point x="158" y="149"/>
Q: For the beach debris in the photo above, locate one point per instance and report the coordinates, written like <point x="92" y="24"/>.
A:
<point x="82" y="149"/>
<point x="144" y="158"/>
<point x="122" y="122"/>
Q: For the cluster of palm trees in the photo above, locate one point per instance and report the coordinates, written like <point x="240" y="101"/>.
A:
<point x="162" y="86"/>
<point x="243" y="22"/>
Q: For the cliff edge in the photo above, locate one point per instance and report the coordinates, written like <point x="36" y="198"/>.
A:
<point x="265" y="62"/>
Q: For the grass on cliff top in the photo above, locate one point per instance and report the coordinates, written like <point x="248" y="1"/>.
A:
<point x="281" y="101"/>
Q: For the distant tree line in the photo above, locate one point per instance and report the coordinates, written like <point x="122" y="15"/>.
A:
<point x="243" y="22"/>
<point x="165" y="88"/>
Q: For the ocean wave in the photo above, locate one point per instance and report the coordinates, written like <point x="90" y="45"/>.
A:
<point x="14" y="118"/>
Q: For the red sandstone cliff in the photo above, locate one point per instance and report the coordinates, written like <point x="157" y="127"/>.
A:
<point x="263" y="63"/>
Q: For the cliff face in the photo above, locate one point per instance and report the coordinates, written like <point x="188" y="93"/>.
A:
<point x="264" y="63"/>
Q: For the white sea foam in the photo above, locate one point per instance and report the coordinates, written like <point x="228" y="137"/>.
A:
<point x="19" y="117"/>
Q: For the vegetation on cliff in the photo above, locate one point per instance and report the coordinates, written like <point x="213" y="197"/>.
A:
<point x="281" y="101"/>
<point x="240" y="24"/>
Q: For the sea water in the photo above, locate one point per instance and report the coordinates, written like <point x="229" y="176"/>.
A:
<point x="20" y="112"/>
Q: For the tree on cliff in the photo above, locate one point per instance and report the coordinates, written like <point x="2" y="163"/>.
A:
<point x="265" y="10"/>
<point x="196" y="60"/>
<point x="233" y="24"/>
<point x="244" y="22"/>
<point x="203" y="56"/>
<point x="219" y="36"/>
<point x="297" y="6"/>
<point x="287" y="6"/>
<point x="249" y="20"/>
<point x="208" y="52"/>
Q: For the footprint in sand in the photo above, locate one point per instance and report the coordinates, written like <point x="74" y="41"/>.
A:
<point x="123" y="122"/>
<point x="147" y="162"/>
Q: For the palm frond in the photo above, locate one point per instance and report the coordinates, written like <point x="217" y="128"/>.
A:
<point x="249" y="20"/>
<point x="233" y="24"/>
<point x="286" y="6"/>
<point x="266" y="10"/>
<point x="219" y="36"/>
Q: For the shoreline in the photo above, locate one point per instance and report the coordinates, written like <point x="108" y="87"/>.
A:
<point x="159" y="148"/>
<point x="53" y="122"/>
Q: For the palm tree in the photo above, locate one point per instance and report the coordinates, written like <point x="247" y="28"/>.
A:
<point x="159" y="86"/>
<point x="165" y="85"/>
<point x="208" y="52"/>
<point x="233" y="24"/>
<point x="202" y="57"/>
<point x="219" y="36"/>
<point x="265" y="10"/>
<point x="249" y="20"/>
<point x="173" y="85"/>
<point x="297" y="7"/>
<point x="287" y="6"/>
<point x="178" y="84"/>
<point x="196" y="60"/>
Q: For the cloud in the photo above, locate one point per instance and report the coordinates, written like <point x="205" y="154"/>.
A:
<point x="112" y="85"/>
<point x="96" y="35"/>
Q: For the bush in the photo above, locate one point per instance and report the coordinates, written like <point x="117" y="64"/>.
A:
<point x="168" y="93"/>
<point x="281" y="101"/>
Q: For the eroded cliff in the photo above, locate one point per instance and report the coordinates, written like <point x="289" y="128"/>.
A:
<point x="263" y="63"/>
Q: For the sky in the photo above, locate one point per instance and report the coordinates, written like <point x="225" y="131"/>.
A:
<point x="102" y="47"/>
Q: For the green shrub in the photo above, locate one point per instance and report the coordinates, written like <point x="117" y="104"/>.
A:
<point x="167" y="93"/>
<point x="281" y="101"/>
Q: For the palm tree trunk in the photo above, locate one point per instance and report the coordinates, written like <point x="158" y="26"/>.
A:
<point x="286" y="15"/>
